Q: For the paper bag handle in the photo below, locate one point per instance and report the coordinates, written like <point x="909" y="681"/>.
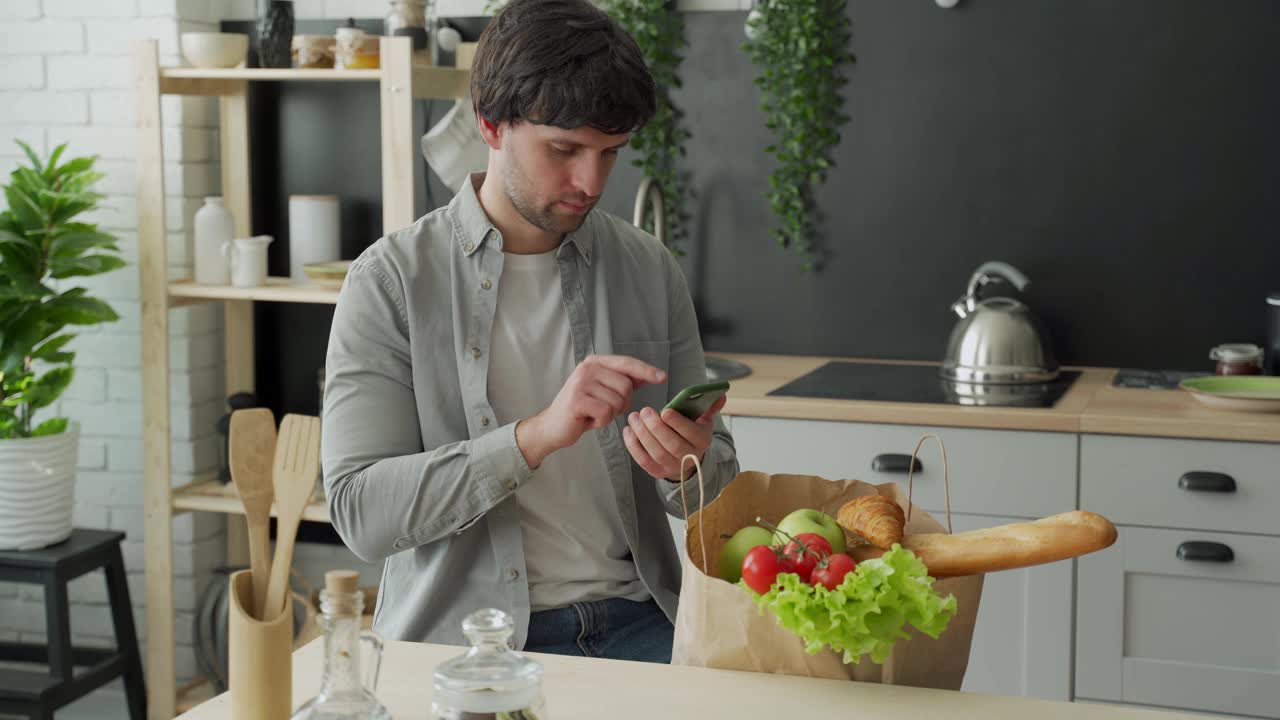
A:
<point x="946" y="480"/>
<point x="702" y="541"/>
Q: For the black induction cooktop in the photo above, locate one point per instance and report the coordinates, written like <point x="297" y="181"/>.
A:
<point x="919" y="384"/>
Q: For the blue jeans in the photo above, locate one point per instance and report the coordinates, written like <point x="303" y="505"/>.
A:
<point x="613" y="628"/>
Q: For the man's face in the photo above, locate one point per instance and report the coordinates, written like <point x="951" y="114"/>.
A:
<point x="553" y="177"/>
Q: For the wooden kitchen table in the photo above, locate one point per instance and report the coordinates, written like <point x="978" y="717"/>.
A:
<point x="589" y="689"/>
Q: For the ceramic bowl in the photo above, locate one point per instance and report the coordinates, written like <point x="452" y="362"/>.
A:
<point x="328" y="274"/>
<point x="215" y="49"/>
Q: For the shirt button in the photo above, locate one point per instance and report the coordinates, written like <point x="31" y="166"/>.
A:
<point x="475" y="352"/>
<point x="486" y="285"/>
<point x="512" y="573"/>
<point x="484" y="421"/>
<point x="468" y="247"/>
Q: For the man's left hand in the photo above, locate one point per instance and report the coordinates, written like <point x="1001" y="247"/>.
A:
<point x="658" y="441"/>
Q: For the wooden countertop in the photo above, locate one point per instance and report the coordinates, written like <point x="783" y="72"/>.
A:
<point x="1091" y="405"/>
<point x="592" y="689"/>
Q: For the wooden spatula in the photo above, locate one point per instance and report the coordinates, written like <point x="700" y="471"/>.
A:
<point x="252" y="440"/>
<point x="296" y="464"/>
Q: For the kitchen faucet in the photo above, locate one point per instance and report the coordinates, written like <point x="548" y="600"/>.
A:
<point x="650" y="195"/>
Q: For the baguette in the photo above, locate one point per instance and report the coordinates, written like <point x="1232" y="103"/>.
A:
<point x="1006" y="547"/>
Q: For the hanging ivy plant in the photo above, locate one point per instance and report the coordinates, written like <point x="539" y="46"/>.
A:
<point x="800" y="47"/>
<point x="659" y="31"/>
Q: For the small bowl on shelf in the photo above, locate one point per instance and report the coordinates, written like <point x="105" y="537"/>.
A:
<point x="215" y="49"/>
<point x="328" y="274"/>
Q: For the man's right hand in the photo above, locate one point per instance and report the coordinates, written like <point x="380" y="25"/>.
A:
<point x="597" y="391"/>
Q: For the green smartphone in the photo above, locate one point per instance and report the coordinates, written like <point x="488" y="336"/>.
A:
<point x="694" y="401"/>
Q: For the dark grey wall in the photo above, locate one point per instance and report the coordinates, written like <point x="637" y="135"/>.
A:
<point x="1121" y="153"/>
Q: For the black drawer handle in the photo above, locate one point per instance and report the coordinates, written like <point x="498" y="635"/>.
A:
<point x="895" y="463"/>
<point x="1202" y="551"/>
<point x="1202" y="481"/>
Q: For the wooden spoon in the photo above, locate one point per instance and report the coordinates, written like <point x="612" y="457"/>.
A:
<point x="252" y="449"/>
<point x="296" y="464"/>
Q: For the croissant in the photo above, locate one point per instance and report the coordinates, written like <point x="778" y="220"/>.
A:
<point x="875" y="518"/>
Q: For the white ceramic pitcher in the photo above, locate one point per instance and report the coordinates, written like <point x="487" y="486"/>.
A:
<point x="247" y="258"/>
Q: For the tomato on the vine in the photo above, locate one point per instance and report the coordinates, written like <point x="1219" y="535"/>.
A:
<point x="830" y="572"/>
<point x="805" y="551"/>
<point x="761" y="567"/>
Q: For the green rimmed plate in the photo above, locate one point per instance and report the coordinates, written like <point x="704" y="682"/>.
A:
<point x="1249" y="393"/>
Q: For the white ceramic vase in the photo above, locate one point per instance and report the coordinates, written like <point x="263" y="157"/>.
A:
<point x="214" y="227"/>
<point x="37" y="489"/>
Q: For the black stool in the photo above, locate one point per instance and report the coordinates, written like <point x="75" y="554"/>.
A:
<point x="38" y="694"/>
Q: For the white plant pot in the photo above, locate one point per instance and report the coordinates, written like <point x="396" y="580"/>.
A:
<point x="37" y="489"/>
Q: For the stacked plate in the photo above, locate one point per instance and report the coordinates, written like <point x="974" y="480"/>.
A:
<point x="1248" y="393"/>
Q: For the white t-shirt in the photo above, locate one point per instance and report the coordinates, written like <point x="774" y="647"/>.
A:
<point x="574" y="547"/>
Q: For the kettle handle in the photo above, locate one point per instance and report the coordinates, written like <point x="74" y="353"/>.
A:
<point x="994" y="269"/>
<point x="984" y="274"/>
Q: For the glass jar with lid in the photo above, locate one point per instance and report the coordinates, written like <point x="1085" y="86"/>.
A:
<point x="491" y="680"/>
<point x="1237" y="359"/>
<point x="408" y="17"/>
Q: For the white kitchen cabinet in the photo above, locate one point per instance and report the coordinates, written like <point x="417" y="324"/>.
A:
<point x="992" y="472"/>
<point x="1157" y="629"/>
<point x="1022" y="643"/>
<point x="1201" y="484"/>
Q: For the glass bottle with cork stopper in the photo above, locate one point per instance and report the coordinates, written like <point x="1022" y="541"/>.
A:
<point x="491" y="681"/>
<point x="343" y="690"/>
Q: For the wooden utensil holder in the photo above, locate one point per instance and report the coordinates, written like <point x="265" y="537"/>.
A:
<point x="260" y="659"/>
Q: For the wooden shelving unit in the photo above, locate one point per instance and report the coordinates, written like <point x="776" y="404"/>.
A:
<point x="400" y="81"/>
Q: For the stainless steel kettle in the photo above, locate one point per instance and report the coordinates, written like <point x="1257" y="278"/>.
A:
<point x="998" y="339"/>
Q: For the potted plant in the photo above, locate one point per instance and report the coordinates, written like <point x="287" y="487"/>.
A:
<point x="42" y="251"/>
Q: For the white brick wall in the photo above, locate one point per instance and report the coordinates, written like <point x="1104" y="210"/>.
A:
<point x="65" y="77"/>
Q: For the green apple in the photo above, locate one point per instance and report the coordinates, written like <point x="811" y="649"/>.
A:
<point x="811" y="521"/>
<point x="736" y="549"/>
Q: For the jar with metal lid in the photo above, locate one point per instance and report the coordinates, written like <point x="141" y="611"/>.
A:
<point x="491" y="680"/>
<point x="408" y="18"/>
<point x="1237" y="359"/>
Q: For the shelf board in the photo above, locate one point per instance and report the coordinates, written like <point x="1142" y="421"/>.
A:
<point x="428" y="81"/>
<point x="277" y="289"/>
<point x="324" y="74"/>
<point x="209" y="495"/>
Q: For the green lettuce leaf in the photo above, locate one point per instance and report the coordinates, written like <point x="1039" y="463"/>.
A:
<point x="866" y="613"/>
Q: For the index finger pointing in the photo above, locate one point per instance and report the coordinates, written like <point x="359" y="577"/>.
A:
<point x="632" y="367"/>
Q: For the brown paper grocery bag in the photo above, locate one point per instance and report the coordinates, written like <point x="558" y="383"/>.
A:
<point x="718" y="624"/>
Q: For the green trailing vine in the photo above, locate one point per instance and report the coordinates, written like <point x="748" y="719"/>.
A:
<point x="800" y="47"/>
<point x="659" y="31"/>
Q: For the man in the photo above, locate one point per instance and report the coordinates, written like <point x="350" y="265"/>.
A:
<point x="493" y="423"/>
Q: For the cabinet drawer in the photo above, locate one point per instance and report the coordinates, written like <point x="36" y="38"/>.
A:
<point x="1154" y="629"/>
<point x="993" y="472"/>
<point x="1150" y="481"/>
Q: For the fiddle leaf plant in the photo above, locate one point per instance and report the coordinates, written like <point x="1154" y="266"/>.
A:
<point x="800" y="47"/>
<point x="659" y="31"/>
<point x="41" y="243"/>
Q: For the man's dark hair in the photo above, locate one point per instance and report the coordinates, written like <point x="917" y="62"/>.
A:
<point x="564" y="63"/>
